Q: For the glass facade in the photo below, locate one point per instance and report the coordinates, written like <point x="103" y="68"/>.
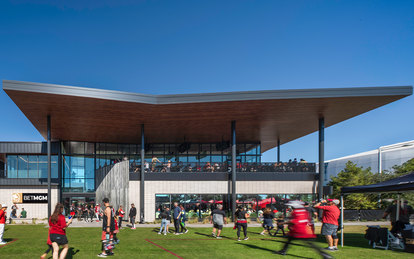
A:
<point x="30" y="166"/>
<point x="201" y="205"/>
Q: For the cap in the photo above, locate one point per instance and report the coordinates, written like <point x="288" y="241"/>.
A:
<point x="335" y="201"/>
<point x="4" y="205"/>
<point x="329" y="200"/>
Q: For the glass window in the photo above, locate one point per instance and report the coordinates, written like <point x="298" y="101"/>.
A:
<point x="54" y="166"/>
<point x="22" y="166"/>
<point x="33" y="164"/>
<point x="90" y="185"/>
<point x="89" y="148"/>
<point x="43" y="166"/>
<point x="124" y="149"/>
<point x="89" y="167"/>
<point x="111" y="149"/>
<point x="77" y="147"/>
<point x="100" y="148"/>
<point x="12" y="166"/>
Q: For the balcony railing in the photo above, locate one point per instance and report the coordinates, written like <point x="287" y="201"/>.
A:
<point x="224" y="167"/>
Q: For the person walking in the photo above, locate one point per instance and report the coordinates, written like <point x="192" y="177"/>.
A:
<point x="176" y="217"/>
<point x="132" y="215"/>
<point x="299" y="228"/>
<point x="183" y="219"/>
<point x="164" y="221"/>
<point x="57" y="230"/>
<point x="218" y="218"/>
<point x="2" y="223"/>
<point x="108" y="228"/>
<point x="330" y="218"/>
<point x="280" y="222"/>
<point x="241" y="222"/>
<point x="121" y="214"/>
<point x="268" y="218"/>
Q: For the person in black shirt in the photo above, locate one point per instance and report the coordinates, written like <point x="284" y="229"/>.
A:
<point x="218" y="218"/>
<point x="241" y="222"/>
<point x="280" y="225"/>
<point x="268" y="217"/>
<point x="132" y="215"/>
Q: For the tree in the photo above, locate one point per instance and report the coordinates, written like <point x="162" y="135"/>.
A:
<point x="353" y="175"/>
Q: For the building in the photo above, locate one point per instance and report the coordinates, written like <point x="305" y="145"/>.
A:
<point x="199" y="149"/>
<point x="391" y="155"/>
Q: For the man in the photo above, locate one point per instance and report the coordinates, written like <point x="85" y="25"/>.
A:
<point x="132" y="215"/>
<point x="23" y="214"/>
<point x="176" y="216"/>
<point x="404" y="216"/>
<point x="2" y="223"/>
<point x="13" y="213"/>
<point x="330" y="218"/>
<point x="108" y="228"/>
<point x="218" y="218"/>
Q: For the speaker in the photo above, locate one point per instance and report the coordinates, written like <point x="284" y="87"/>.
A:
<point x="327" y="190"/>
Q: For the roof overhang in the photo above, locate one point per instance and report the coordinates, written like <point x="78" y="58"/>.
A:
<point x="95" y="115"/>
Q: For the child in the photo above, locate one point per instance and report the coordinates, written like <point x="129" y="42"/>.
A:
<point x="280" y="225"/>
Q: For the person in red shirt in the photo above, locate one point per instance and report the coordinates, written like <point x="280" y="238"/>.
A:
<point x="121" y="214"/>
<point x="300" y="228"/>
<point x="57" y="232"/>
<point x="330" y="218"/>
<point x="2" y="223"/>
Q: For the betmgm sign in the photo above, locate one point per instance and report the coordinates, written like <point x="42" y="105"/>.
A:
<point x="29" y="198"/>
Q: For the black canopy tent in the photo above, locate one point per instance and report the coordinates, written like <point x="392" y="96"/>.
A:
<point x="396" y="185"/>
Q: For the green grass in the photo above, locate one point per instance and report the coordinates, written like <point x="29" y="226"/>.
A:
<point x="85" y="243"/>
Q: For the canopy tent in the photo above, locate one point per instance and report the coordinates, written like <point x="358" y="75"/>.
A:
<point x="403" y="183"/>
<point x="397" y="185"/>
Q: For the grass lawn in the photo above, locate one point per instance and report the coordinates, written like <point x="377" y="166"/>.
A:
<point x="146" y="243"/>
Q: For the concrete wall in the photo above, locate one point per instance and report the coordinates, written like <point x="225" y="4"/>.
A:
<point x="114" y="184"/>
<point x="34" y="210"/>
<point x="212" y="187"/>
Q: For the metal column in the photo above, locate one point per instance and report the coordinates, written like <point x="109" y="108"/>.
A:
<point x="49" y="168"/>
<point x="321" y="155"/>
<point x="233" y="168"/>
<point x="342" y="221"/>
<point x="142" y="181"/>
<point x="278" y="150"/>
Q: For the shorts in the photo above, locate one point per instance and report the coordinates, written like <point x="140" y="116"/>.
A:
<point x="59" y="239"/>
<point x="219" y="227"/>
<point x="268" y="223"/>
<point x="328" y="229"/>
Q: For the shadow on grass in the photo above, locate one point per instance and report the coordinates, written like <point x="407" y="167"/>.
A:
<point x="269" y="250"/>
<point x="210" y="236"/>
<point x="71" y="252"/>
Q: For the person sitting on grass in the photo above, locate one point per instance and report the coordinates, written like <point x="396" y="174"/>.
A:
<point x="23" y="214"/>
<point x="57" y="230"/>
<point x="218" y="218"/>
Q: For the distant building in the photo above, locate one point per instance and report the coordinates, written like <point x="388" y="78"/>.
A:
<point x="391" y="155"/>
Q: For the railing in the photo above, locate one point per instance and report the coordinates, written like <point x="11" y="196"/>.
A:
<point x="224" y="167"/>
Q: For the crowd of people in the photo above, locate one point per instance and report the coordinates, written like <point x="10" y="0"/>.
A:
<point x="155" y="165"/>
<point x="299" y="217"/>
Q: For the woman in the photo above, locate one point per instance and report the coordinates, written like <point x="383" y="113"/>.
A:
<point x="57" y="230"/>
<point x="241" y="222"/>
<point x="267" y="221"/>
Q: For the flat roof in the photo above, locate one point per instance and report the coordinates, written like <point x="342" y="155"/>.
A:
<point x="96" y="115"/>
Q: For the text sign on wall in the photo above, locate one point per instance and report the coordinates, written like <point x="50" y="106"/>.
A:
<point x="29" y="198"/>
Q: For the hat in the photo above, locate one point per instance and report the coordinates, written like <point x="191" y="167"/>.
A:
<point x="295" y="204"/>
<point x="335" y="201"/>
<point x="4" y="205"/>
<point x="329" y="200"/>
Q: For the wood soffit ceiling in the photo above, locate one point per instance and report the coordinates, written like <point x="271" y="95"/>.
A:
<point x="93" y="119"/>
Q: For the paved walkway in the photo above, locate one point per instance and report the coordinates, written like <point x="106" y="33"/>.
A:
<point x="77" y="223"/>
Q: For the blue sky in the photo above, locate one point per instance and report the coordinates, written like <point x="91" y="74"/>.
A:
<point x="169" y="47"/>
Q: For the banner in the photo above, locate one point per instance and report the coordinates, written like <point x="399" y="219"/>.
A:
<point x="29" y="198"/>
